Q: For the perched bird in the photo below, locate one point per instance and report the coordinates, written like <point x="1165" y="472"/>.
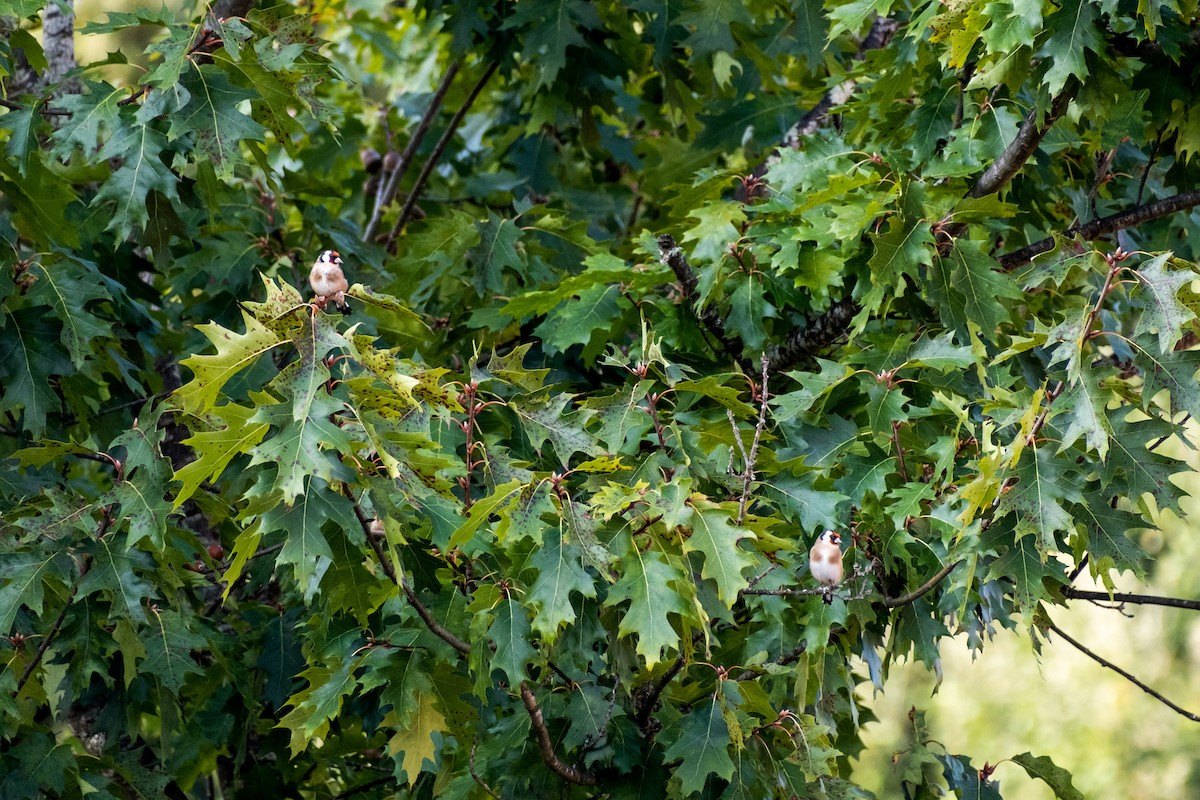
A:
<point x="825" y="562"/>
<point x="328" y="281"/>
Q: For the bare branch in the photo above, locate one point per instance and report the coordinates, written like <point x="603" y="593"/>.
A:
<point x="1106" y="225"/>
<point x="475" y="775"/>
<point x="1009" y="163"/>
<point x="565" y="771"/>
<point x="388" y="190"/>
<point x="365" y="787"/>
<point x="1136" y="599"/>
<point x="1127" y="676"/>
<point x="44" y="645"/>
<point x="751" y="458"/>
<point x="436" y="155"/>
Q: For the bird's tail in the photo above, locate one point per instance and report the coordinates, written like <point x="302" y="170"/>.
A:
<point x="828" y="597"/>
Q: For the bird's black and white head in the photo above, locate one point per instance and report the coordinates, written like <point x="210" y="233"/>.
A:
<point x="329" y="257"/>
<point x="832" y="537"/>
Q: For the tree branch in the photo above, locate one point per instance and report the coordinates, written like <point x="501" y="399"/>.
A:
<point x="882" y="30"/>
<point x="803" y="343"/>
<point x="388" y="190"/>
<point x="1127" y="676"/>
<point x="1102" y="227"/>
<point x="1136" y="599"/>
<point x="564" y="771"/>
<point x="672" y="255"/>
<point x="373" y="538"/>
<point x="44" y="645"/>
<point x="645" y="701"/>
<point x="923" y="589"/>
<point x="1019" y="150"/>
<point x="436" y="155"/>
<point x="1009" y="163"/>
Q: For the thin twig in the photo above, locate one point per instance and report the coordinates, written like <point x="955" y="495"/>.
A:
<point x="1136" y="599"/>
<point x="47" y="110"/>
<point x="1127" y="676"/>
<point x="435" y="627"/>
<point x="475" y="775"/>
<point x="1137" y="201"/>
<point x="266" y="551"/>
<point x="388" y="188"/>
<point x="564" y="771"/>
<point x="752" y="460"/>
<point x="1075" y="573"/>
<point x="899" y="451"/>
<point x="786" y="658"/>
<point x="44" y="645"/>
<point x="649" y="699"/>
<point x="1158" y="442"/>
<point x="1102" y="227"/>
<point x="436" y="155"/>
<point x="1103" y="169"/>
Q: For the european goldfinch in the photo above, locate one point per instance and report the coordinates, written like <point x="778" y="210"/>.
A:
<point x="328" y="281"/>
<point x="825" y="562"/>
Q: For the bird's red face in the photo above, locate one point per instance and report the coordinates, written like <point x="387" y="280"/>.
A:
<point x="832" y="537"/>
<point x="330" y="257"/>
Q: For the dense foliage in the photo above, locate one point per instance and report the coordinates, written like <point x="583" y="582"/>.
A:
<point x="645" y="297"/>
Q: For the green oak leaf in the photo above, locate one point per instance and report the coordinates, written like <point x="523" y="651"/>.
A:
<point x="1054" y="776"/>
<point x="646" y="582"/>
<point x="29" y="358"/>
<point x="169" y="644"/>
<point x="1073" y="32"/>
<point x="302" y="447"/>
<point x="496" y="252"/>
<point x="702" y="746"/>
<point x="212" y="119"/>
<point x="545" y="419"/>
<point x="559" y="564"/>
<point x="315" y="706"/>
<point x="1022" y="564"/>
<point x="305" y="547"/>
<point x="716" y="537"/>
<point x="510" y="633"/>
<point x="1043" y="498"/>
<point x="231" y="434"/>
<point x="139" y="149"/>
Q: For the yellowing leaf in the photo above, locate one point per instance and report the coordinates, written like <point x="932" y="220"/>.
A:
<point x="416" y="741"/>
<point x="235" y="352"/>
